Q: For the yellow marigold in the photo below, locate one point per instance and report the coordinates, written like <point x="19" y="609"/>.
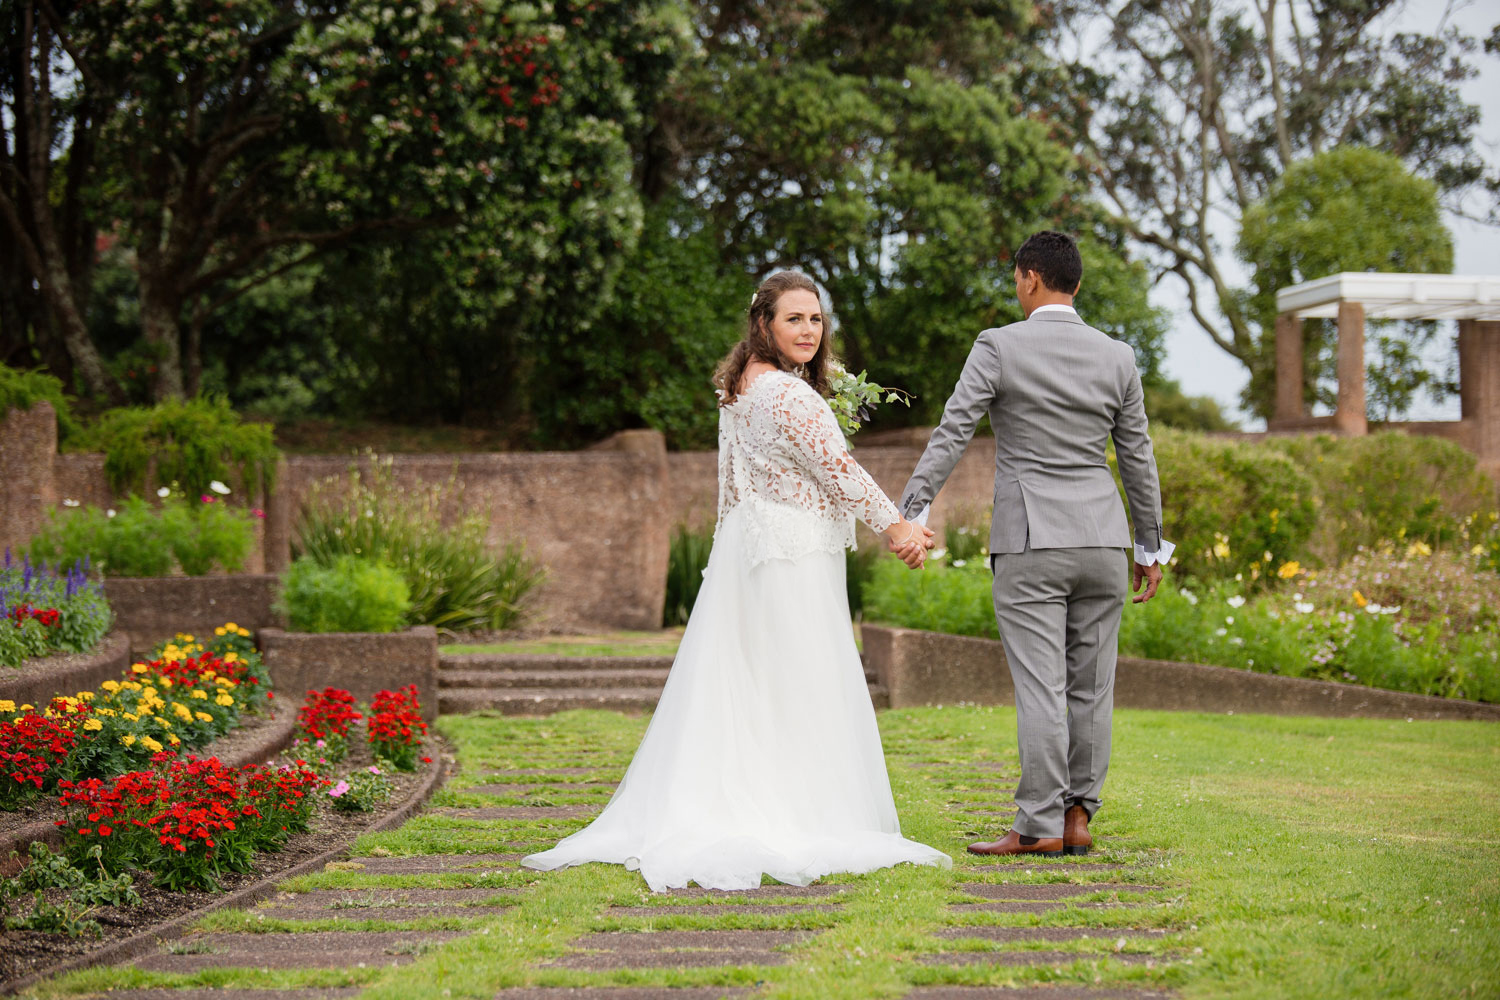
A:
<point x="92" y="725"/>
<point x="200" y="694"/>
<point x="131" y="716"/>
<point x="203" y="717"/>
<point x="27" y="707"/>
<point x="1418" y="549"/>
<point x="1360" y="599"/>
<point x="231" y="657"/>
<point x="209" y="675"/>
<point x="185" y="638"/>
<point x="244" y="632"/>
<point x="6" y="705"/>
<point x="167" y="682"/>
<point x="132" y="685"/>
<point x="106" y="711"/>
<point x="128" y="739"/>
<point x="150" y="744"/>
<point x="221" y="630"/>
<point x="225" y="682"/>
<point x="111" y="686"/>
<point x="1289" y="569"/>
<point x="139" y="668"/>
<point x="230" y="627"/>
<point x="224" y="699"/>
<point x="182" y="711"/>
<point x="86" y="695"/>
<point x="173" y="740"/>
<point x="161" y="721"/>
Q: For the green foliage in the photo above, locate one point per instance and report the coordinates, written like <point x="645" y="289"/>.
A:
<point x="350" y="595"/>
<point x="686" y="561"/>
<point x="363" y="789"/>
<point x="190" y="442"/>
<point x="1167" y="406"/>
<point x="1392" y="487"/>
<point x="858" y="565"/>
<point x="71" y="916"/>
<point x="140" y="540"/>
<point x="1228" y="503"/>
<point x="1347" y="209"/>
<point x="83" y="613"/>
<point x="937" y="598"/>
<point x="454" y="580"/>
<point x="26" y="641"/>
<point x="20" y="390"/>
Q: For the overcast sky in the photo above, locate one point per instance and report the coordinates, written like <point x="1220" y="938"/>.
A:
<point x="1205" y="370"/>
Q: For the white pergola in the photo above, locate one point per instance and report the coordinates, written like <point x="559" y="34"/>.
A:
<point x="1354" y="296"/>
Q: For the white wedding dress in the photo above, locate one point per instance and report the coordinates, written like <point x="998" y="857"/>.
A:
<point x="763" y="756"/>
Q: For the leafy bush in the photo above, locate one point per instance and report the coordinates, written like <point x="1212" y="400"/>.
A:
<point x="351" y="595"/>
<point x="453" y="579"/>
<point x="1390" y="486"/>
<point x="1228" y="503"/>
<point x="686" y="560"/>
<point x="21" y="390"/>
<point x="364" y="789"/>
<point x="43" y="611"/>
<point x="139" y="540"/>
<point x="937" y="598"/>
<point x="190" y="441"/>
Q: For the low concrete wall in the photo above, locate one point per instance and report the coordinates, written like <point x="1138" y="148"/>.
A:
<point x="37" y="682"/>
<point x="150" y="609"/>
<point x="930" y="668"/>
<point x="362" y="662"/>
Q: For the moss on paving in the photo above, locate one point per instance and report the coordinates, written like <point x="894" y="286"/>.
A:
<point x="1295" y="857"/>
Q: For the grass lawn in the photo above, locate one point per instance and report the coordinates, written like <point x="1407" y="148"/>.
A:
<point x="658" y="642"/>
<point x="1287" y="857"/>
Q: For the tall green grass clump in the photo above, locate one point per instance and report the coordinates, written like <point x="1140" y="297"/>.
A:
<point x="21" y="390"/>
<point x="454" y="580"/>
<point x="687" y="558"/>
<point x="350" y="594"/>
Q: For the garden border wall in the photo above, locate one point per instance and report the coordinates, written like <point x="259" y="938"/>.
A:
<point x="933" y="668"/>
<point x="150" y="609"/>
<point x="37" y="682"/>
<point x="362" y="662"/>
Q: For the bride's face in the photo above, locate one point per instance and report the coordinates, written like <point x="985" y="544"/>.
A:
<point x="798" y="326"/>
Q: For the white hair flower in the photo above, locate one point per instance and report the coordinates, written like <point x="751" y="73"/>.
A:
<point x="219" y="488"/>
<point x="164" y="492"/>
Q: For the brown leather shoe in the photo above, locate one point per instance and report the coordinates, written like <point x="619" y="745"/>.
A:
<point x="1047" y="847"/>
<point x="1076" y="837"/>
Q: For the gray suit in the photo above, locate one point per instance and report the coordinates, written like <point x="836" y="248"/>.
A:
<point x="1056" y="391"/>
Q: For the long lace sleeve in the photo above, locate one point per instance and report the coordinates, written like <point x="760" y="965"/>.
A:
<point x="809" y="425"/>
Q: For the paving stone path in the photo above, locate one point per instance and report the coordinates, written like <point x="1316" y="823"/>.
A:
<point x="1031" y="930"/>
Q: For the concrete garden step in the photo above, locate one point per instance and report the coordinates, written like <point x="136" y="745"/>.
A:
<point x="632" y="678"/>
<point x="460" y="669"/>
<point x="547" y="700"/>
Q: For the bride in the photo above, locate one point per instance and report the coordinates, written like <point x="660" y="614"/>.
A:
<point x="763" y="756"/>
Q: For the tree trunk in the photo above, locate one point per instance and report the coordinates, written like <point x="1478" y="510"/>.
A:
<point x="161" y="325"/>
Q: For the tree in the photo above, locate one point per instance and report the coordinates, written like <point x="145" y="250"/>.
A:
<point x="230" y="141"/>
<point x="1195" y="108"/>
<point x="1347" y="209"/>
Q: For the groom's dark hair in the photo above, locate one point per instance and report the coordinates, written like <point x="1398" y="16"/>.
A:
<point x="1053" y="256"/>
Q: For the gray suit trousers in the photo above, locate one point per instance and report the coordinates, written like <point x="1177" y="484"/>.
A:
<point x="1059" y="617"/>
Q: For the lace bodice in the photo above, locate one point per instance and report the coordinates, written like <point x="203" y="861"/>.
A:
<point x="782" y="454"/>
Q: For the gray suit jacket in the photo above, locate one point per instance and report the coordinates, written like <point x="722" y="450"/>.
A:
<point x="1057" y="391"/>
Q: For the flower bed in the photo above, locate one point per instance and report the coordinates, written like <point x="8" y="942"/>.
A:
<point x="45" y="611"/>
<point x="1400" y="618"/>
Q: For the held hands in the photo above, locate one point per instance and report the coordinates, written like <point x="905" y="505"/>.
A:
<point x="910" y="541"/>
<point x="1151" y="575"/>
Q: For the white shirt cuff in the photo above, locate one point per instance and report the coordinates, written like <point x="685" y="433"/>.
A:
<point x="1161" y="555"/>
<point x="922" y="517"/>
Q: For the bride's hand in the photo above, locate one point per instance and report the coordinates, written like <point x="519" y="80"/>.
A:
<point x="910" y="541"/>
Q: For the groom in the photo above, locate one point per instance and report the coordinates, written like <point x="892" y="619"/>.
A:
<point x="1057" y="391"/>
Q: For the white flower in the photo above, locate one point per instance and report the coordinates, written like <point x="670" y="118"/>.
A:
<point x="1236" y="640"/>
<point x="164" y="492"/>
<point x="959" y="563"/>
<point x="1305" y="607"/>
<point x="1190" y="597"/>
<point x="1229" y="619"/>
<point x="218" y="487"/>
<point x="1222" y="631"/>
<point x="70" y="503"/>
<point x="110" y="512"/>
<point x="1236" y="601"/>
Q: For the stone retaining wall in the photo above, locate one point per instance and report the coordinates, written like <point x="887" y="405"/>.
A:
<point x="150" y="609"/>
<point x="931" y="668"/>
<point x="362" y="662"/>
<point x="37" y="682"/>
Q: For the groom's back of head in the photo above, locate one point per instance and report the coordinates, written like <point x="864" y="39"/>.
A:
<point x="1054" y="258"/>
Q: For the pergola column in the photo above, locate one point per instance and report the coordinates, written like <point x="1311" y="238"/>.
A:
<point x="1479" y="384"/>
<point x="1349" y="416"/>
<point x="1289" y="372"/>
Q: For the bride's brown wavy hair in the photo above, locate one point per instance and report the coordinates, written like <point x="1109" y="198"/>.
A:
<point x="759" y="345"/>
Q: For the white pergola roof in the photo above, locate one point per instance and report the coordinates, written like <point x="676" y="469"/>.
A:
<point x="1395" y="296"/>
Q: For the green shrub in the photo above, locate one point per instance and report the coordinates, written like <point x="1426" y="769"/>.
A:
<point x="455" y="582"/>
<point x="686" y="560"/>
<point x="140" y="540"/>
<point x="23" y="389"/>
<point x="192" y="442"/>
<point x="349" y="595"/>
<point x="1226" y="504"/>
<point x="858" y="565"/>
<point x="1390" y="486"/>
<point x="937" y="598"/>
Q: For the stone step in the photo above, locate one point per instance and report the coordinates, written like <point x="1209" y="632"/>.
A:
<point x="547" y="700"/>
<point x="632" y="678"/>
<point x="503" y="662"/>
